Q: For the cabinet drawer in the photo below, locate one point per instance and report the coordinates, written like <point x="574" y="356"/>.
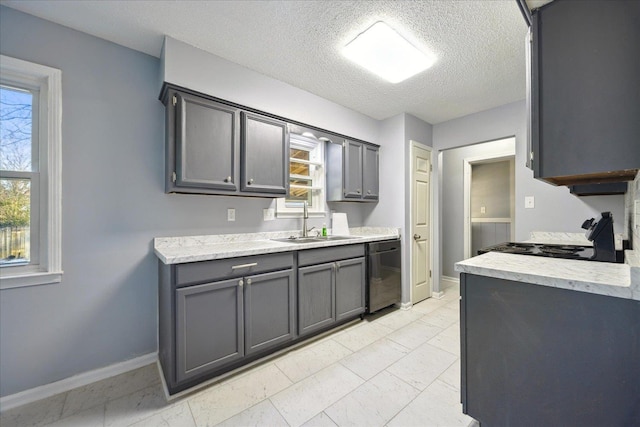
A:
<point x="203" y="271"/>
<point x="334" y="253"/>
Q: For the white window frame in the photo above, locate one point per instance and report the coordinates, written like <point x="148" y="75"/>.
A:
<point x="47" y="267"/>
<point x="286" y="209"/>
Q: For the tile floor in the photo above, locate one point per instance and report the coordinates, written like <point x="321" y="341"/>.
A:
<point x="396" y="368"/>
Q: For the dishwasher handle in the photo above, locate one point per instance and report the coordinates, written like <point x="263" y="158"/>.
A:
<point x="384" y="252"/>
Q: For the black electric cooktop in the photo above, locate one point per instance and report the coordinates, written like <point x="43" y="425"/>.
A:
<point x="538" y="249"/>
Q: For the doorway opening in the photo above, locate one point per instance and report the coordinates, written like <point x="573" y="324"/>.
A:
<point x="489" y="200"/>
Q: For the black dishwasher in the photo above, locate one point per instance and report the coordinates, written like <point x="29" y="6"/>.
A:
<point x="383" y="274"/>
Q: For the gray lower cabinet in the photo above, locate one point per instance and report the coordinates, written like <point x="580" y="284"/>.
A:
<point x="350" y="288"/>
<point x="316" y="297"/>
<point x="535" y="355"/>
<point x="352" y="171"/>
<point x="331" y="291"/>
<point x="216" y="315"/>
<point x="269" y="310"/>
<point x="209" y="327"/>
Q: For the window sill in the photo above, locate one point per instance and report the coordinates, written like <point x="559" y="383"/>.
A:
<point x="299" y="214"/>
<point x="30" y="279"/>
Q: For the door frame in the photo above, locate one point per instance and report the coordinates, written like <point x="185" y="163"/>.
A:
<point x="409" y="237"/>
<point x="468" y="162"/>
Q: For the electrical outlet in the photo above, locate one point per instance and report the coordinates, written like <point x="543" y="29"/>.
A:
<point x="483" y="209"/>
<point x="231" y="214"/>
<point x="529" y="202"/>
<point x="268" y="214"/>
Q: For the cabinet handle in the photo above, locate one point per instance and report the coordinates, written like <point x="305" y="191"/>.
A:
<point x="240" y="283"/>
<point x="248" y="281"/>
<point x="416" y="236"/>
<point x="250" y="181"/>
<point x="227" y="179"/>
<point x="236" y="267"/>
<point x="358" y="191"/>
<point x="368" y="191"/>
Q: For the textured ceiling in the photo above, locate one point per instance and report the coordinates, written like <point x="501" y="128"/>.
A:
<point x="479" y="45"/>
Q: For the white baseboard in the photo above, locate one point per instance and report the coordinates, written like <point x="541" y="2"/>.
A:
<point x="48" y="390"/>
<point x="406" y="305"/>
<point x="446" y="281"/>
<point x="437" y="295"/>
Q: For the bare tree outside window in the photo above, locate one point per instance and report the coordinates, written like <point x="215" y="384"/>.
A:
<point x="16" y="134"/>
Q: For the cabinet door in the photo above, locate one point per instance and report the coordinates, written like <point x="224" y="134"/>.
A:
<point x="269" y="310"/>
<point x="209" y="327"/>
<point x="206" y="143"/>
<point x="586" y="90"/>
<point x="350" y="285"/>
<point x="370" y="172"/>
<point x="265" y="155"/>
<point x="352" y="170"/>
<point x="316" y="297"/>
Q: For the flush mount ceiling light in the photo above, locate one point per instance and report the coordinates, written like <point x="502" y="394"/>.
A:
<point x="386" y="53"/>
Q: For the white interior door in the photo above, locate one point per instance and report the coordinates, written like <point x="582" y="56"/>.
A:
<point x="420" y="224"/>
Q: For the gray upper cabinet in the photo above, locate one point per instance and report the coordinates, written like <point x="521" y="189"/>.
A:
<point x="269" y="310"/>
<point x="205" y="143"/>
<point x="585" y="91"/>
<point x="352" y="171"/>
<point x="265" y="155"/>
<point x="370" y="172"/>
<point x="209" y="327"/>
<point x="217" y="147"/>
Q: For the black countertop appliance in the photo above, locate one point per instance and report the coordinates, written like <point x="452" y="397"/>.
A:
<point x="600" y="233"/>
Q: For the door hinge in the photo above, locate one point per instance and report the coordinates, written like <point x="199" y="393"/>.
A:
<point x="173" y="177"/>
<point x="174" y="100"/>
<point x="531" y="156"/>
<point x="429" y="273"/>
<point x="430" y="167"/>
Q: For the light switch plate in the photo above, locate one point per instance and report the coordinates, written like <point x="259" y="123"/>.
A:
<point x="231" y="214"/>
<point x="529" y="202"/>
<point x="268" y="214"/>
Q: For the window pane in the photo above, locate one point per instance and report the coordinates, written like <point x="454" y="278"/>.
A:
<point x="299" y="168"/>
<point x="299" y="195"/>
<point x="16" y="107"/>
<point x="15" y="207"/>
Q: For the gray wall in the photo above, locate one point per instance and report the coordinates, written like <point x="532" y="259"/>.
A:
<point x="491" y="189"/>
<point x="555" y="208"/>
<point x="394" y="138"/>
<point x="105" y="309"/>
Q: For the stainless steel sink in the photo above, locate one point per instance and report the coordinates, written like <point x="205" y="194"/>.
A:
<point x="311" y="239"/>
<point x="324" y="238"/>
<point x="296" y="239"/>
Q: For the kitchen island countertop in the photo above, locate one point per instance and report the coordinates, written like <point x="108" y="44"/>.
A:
<point x="177" y="250"/>
<point x="601" y="278"/>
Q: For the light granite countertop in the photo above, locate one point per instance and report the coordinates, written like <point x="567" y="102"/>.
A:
<point x="603" y="278"/>
<point x="178" y="250"/>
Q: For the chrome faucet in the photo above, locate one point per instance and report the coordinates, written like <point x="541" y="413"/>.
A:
<point x="305" y="215"/>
